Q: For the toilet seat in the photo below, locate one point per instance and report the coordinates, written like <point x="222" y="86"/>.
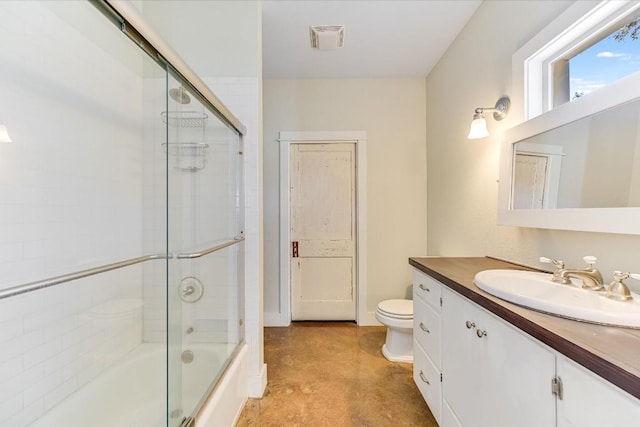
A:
<point x="396" y="309"/>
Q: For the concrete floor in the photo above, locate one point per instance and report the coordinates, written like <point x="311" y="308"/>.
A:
<point x="333" y="374"/>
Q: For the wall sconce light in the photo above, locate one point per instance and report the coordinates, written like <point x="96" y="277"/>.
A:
<point x="4" y="135"/>
<point x="479" y="124"/>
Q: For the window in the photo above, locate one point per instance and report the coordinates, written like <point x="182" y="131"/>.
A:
<point x="585" y="49"/>
<point x="596" y="64"/>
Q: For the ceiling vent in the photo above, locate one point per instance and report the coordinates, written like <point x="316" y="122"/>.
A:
<point x="326" y="37"/>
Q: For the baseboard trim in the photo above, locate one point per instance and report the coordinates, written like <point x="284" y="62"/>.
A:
<point x="369" y="320"/>
<point x="274" y="319"/>
<point x="258" y="383"/>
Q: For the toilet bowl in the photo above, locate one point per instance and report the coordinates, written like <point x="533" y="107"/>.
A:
<point x="397" y="316"/>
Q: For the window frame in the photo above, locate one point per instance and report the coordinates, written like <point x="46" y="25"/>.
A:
<point x="527" y="109"/>
<point x="578" y="25"/>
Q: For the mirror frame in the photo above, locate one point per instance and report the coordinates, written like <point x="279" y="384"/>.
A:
<point x="606" y="220"/>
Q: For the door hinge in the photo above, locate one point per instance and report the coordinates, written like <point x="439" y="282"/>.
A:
<point x="441" y="377"/>
<point x="187" y="422"/>
<point x="294" y="249"/>
<point x="556" y="387"/>
<point x="440" y="301"/>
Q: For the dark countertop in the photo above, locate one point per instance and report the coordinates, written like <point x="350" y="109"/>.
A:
<point x="610" y="352"/>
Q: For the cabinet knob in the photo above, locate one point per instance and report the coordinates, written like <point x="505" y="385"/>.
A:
<point x="424" y="288"/>
<point x="470" y="324"/>
<point x="423" y="378"/>
<point x="480" y="333"/>
<point x="424" y="328"/>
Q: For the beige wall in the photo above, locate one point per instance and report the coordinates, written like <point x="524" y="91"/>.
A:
<point x="462" y="174"/>
<point x="392" y="112"/>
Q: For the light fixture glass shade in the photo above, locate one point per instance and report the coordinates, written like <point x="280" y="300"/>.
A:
<point x="4" y="135"/>
<point x="478" y="128"/>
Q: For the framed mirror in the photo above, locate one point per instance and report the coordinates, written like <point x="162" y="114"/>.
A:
<point x="576" y="167"/>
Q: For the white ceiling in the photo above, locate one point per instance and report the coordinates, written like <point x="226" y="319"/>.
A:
<point x="383" y="38"/>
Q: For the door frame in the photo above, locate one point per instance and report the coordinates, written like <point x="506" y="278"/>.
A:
<point x="359" y="138"/>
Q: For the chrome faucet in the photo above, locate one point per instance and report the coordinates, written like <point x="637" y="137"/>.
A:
<point x="590" y="277"/>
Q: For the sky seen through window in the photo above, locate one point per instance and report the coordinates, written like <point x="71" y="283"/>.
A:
<point x="603" y="63"/>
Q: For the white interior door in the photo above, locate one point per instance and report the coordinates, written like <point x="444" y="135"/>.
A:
<point x="529" y="181"/>
<point x="323" y="231"/>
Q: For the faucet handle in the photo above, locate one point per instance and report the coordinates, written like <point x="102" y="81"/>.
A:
<point x="559" y="265"/>
<point x="619" y="276"/>
<point x="590" y="259"/>
<point x="556" y="262"/>
<point x="618" y="290"/>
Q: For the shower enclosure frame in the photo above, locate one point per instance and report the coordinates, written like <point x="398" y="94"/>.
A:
<point x="131" y="23"/>
<point x="127" y="18"/>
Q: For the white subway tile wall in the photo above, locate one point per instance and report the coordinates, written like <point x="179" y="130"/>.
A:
<point x="70" y="198"/>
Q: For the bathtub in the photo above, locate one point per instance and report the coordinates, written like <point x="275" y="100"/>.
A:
<point x="132" y="393"/>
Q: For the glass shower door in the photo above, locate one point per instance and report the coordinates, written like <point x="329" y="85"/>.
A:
<point x="204" y="221"/>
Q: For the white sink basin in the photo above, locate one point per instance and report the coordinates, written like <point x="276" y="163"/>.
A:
<point x="536" y="291"/>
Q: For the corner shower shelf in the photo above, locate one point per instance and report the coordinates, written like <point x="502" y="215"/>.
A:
<point x="188" y="156"/>
<point x="184" y="119"/>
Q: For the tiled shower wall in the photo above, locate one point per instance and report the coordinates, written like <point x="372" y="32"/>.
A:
<point x="70" y="199"/>
<point x="214" y="318"/>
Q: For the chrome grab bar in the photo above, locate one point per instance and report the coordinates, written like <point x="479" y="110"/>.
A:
<point x="42" y="284"/>
<point x="211" y="249"/>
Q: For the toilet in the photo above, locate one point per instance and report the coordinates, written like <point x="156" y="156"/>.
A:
<point x="397" y="316"/>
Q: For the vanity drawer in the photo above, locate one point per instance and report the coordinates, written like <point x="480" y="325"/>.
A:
<point x="427" y="378"/>
<point x="427" y="288"/>
<point x="426" y="329"/>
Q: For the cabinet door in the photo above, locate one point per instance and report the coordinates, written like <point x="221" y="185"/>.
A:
<point x="448" y="417"/>
<point x="516" y="376"/>
<point x="493" y="374"/>
<point x="590" y="401"/>
<point x="461" y="379"/>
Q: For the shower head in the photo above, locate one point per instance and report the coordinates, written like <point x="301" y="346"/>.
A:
<point x="180" y="95"/>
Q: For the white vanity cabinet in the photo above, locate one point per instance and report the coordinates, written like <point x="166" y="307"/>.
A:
<point x="426" y="340"/>
<point x="493" y="374"/>
<point x="590" y="401"/>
